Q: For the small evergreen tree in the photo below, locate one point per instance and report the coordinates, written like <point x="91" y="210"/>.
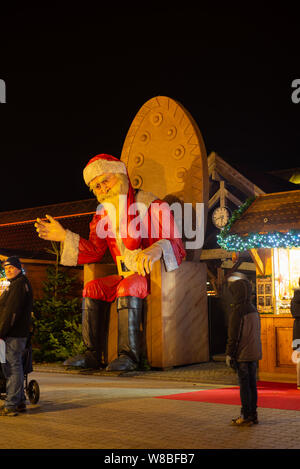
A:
<point x="57" y="316"/>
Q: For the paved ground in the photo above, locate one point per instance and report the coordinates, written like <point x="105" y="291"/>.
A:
<point x="100" y="411"/>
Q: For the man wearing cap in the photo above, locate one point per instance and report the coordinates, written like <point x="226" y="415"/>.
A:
<point x="15" y="319"/>
<point x="136" y="240"/>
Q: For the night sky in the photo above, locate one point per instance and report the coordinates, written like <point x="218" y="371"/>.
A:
<point x="75" y="79"/>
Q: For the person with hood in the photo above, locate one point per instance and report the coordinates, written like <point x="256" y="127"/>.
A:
<point x="136" y="240"/>
<point x="15" y="321"/>
<point x="243" y="348"/>
<point x="295" y="310"/>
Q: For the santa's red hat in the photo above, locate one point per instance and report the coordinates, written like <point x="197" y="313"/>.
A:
<point x="100" y="164"/>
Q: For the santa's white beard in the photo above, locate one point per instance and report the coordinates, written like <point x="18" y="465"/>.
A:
<point x="120" y="188"/>
<point x="115" y="203"/>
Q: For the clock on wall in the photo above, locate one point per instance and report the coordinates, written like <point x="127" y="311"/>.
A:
<point x="220" y="216"/>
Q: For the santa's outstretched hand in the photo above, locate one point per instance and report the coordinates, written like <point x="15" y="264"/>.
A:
<point x="146" y="258"/>
<point x="50" y="230"/>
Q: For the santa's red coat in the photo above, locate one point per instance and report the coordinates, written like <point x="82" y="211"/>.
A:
<point x="93" y="249"/>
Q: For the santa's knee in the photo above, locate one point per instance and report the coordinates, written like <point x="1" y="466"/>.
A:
<point x="135" y="285"/>
<point x="93" y="289"/>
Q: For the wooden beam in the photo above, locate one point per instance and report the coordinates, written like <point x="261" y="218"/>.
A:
<point x="216" y="176"/>
<point x="214" y="199"/>
<point x="211" y="163"/>
<point x="222" y="194"/>
<point x="233" y="176"/>
<point x="257" y="261"/>
<point x="228" y="264"/>
<point x="220" y="278"/>
<point x="207" y="254"/>
<point x="233" y="198"/>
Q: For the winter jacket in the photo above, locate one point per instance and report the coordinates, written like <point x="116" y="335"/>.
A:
<point x="243" y="342"/>
<point x="15" y="308"/>
<point x="295" y="310"/>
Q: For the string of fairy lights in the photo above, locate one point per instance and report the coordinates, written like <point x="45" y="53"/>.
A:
<point x="275" y="239"/>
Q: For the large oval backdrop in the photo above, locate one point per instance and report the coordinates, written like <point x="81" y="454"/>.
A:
<point x="165" y="154"/>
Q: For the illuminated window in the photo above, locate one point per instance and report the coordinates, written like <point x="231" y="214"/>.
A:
<point x="264" y="294"/>
<point x="286" y="276"/>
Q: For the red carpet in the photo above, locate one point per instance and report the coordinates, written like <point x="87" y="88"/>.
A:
<point x="270" y="395"/>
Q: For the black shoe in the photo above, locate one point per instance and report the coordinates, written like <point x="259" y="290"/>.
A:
<point x="254" y="418"/>
<point x="242" y="422"/>
<point x="86" y="360"/>
<point x="122" y="363"/>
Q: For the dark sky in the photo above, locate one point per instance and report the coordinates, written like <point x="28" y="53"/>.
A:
<point x="76" y="77"/>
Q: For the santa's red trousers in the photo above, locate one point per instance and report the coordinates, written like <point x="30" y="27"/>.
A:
<point x="115" y="286"/>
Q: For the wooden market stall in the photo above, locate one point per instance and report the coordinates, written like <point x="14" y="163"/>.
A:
<point x="269" y="227"/>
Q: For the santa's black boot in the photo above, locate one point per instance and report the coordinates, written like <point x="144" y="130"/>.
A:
<point x="95" y="321"/>
<point x="129" y="334"/>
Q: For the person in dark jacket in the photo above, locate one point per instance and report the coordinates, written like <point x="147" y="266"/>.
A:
<point x="295" y="310"/>
<point x="15" y="319"/>
<point x="244" y="347"/>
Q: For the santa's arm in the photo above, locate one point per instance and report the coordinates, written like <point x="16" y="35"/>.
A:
<point x="75" y="249"/>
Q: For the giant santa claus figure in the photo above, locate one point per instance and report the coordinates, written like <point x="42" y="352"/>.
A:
<point x="131" y="225"/>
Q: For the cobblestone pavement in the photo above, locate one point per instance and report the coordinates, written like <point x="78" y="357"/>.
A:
<point x="94" y="411"/>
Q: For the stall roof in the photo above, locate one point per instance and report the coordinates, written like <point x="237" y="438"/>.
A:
<point x="269" y="221"/>
<point x="270" y="212"/>
<point x="18" y="235"/>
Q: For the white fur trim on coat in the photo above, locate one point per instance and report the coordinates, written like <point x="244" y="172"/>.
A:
<point x="99" y="167"/>
<point x="70" y="249"/>
<point x="169" y="258"/>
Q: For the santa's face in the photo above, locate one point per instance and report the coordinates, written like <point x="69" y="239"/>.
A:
<point x="108" y="186"/>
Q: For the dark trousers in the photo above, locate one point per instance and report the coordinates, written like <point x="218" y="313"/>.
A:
<point x="248" y="389"/>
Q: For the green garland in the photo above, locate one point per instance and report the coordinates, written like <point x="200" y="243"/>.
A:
<point x="275" y="239"/>
<point x="224" y="233"/>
